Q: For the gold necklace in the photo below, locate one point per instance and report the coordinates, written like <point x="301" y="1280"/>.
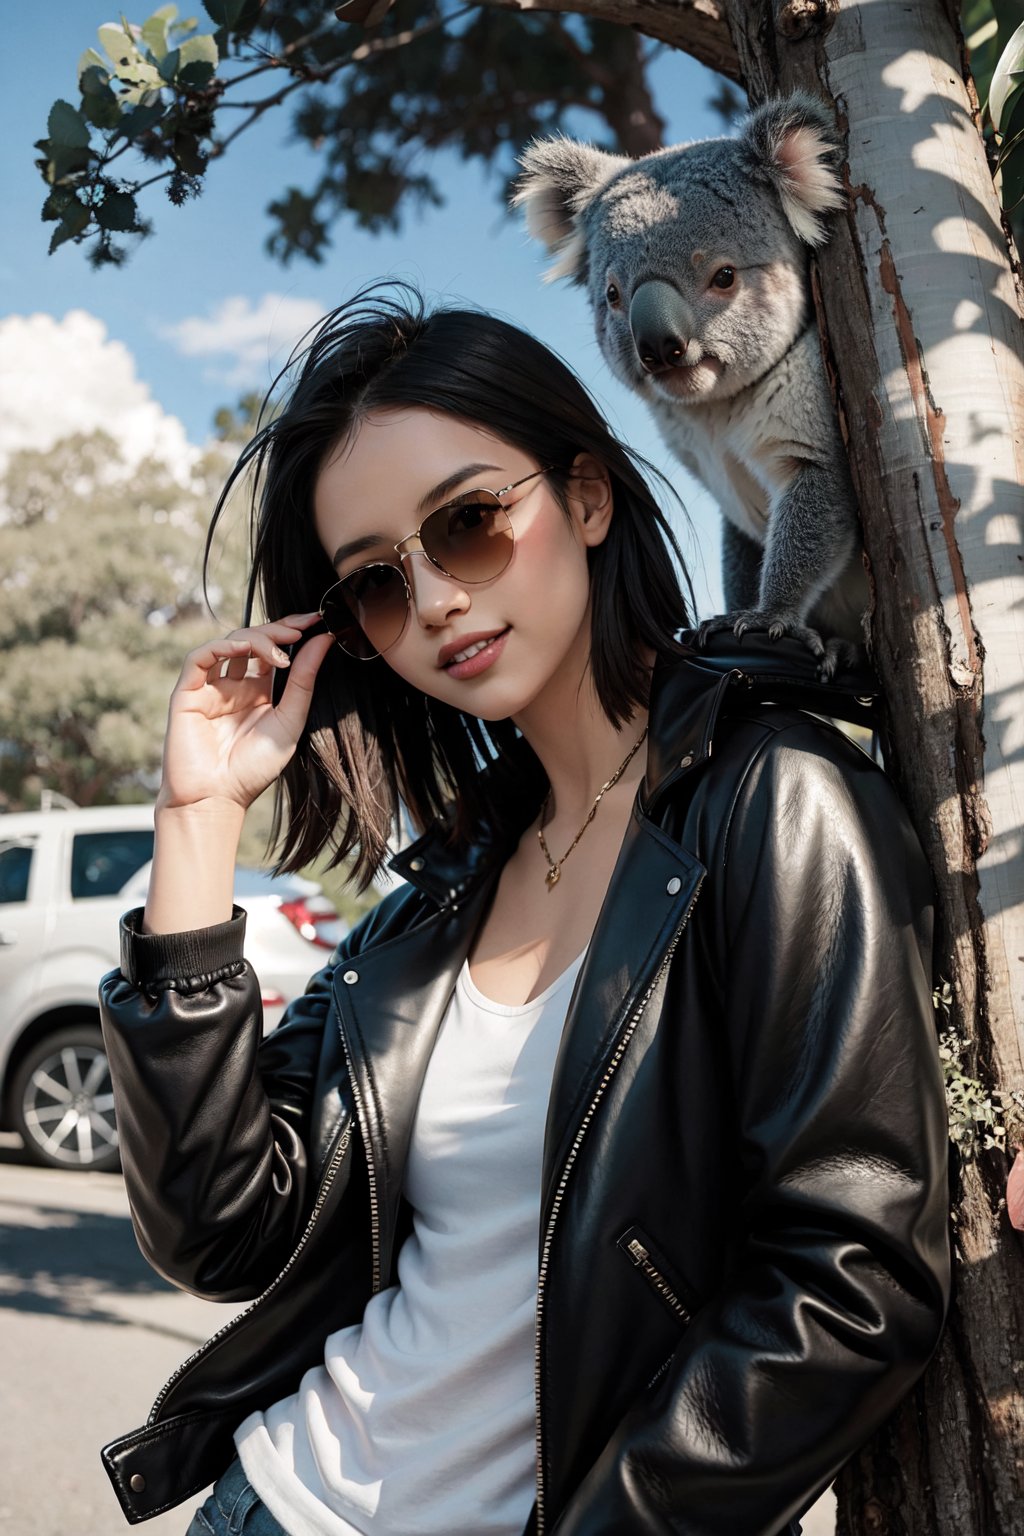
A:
<point x="554" y="873"/>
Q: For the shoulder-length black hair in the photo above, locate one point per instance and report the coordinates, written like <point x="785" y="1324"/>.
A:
<point x="372" y="742"/>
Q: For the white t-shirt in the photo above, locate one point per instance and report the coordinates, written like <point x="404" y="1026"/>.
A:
<point x="421" y="1420"/>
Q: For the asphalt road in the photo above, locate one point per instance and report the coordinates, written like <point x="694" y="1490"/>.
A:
<point x="88" y="1336"/>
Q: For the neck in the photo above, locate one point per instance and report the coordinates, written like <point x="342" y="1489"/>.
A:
<point x="578" y="747"/>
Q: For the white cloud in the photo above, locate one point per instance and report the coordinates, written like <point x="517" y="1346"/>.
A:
<point x="250" y="340"/>
<point x="63" y="376"/>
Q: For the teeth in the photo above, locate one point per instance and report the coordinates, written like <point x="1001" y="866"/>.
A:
<point x="471" y="650"/>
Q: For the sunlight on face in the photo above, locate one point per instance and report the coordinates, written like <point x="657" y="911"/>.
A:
<point x="527" y="629"/>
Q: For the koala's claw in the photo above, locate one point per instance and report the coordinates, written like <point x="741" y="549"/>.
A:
<point x="830" y="656"/>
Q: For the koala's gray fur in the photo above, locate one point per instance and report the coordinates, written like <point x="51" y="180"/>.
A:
<point x="733" y="375"/>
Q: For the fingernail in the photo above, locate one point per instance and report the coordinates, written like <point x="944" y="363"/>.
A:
<point x="280" y="656"/>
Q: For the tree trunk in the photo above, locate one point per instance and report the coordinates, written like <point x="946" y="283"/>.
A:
<point x="924" y="342"/>
<point x="925" y="346"/>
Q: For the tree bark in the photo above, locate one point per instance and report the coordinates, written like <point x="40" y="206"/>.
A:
<point x="924" y="341"/>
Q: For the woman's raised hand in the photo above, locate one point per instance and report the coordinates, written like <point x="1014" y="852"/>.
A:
<point x="226" y="739"/>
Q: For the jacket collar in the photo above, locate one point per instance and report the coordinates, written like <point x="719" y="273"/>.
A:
<point x="688" y="695"/>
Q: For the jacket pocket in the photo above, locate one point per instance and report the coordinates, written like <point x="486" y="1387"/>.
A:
<point x="645" y="1257"/>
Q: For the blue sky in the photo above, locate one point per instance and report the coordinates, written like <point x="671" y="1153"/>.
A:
<point x="204" y="275"/>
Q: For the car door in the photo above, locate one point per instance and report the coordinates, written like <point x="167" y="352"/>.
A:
<point x="23" y="922"/>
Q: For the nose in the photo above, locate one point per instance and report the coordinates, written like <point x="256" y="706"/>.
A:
<point x="660" y="324"/>
<point x="435" y="596"/>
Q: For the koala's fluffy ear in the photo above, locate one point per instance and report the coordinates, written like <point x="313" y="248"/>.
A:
<point x="793" y="143"/>
<point x="560" y="177"/>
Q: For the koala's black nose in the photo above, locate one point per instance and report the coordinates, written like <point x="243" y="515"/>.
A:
<point x="658" y="321"/>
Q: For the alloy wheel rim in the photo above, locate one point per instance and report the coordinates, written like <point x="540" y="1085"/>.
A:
<point x="68" y="1106"/>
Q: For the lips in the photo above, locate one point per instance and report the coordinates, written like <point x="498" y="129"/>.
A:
<point x="458" y="648"/>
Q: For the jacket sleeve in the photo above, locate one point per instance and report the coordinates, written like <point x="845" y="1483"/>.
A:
<point x="834" y="1294"/>
<point x="213" y="1121"/>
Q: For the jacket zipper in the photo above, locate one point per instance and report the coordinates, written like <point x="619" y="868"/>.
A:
<point x="642" y="1259"/>
<point x="609" y="1072"/>
<point x="376" y="1280"/>
<point x="322" y="1193"/>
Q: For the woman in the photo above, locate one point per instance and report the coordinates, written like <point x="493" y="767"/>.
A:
<point x="597" y="1183"/>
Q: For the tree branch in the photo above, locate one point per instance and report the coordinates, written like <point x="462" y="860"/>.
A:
<point x="698" y="27"/>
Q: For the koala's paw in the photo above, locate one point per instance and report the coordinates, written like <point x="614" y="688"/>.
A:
<point x="778" y="623"/>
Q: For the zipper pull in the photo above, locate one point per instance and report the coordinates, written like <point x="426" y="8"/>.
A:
<point x="637" y="1252"/>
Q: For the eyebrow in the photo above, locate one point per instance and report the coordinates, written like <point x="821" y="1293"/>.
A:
<point x="436" y="494"/>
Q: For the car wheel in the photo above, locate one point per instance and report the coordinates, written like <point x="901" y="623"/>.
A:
<point x="63" y="1102"/>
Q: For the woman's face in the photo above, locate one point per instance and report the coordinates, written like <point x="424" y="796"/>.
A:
<point x="400" y="464"/>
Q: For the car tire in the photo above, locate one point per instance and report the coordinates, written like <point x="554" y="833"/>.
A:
<point x="63" y="1104"/>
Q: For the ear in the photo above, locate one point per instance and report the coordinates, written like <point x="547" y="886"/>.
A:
<point x="793" y="143"/>
<point x="560" y="178"/>
<point x="590" y="497"/>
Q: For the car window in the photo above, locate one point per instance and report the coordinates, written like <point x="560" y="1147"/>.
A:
<point x="103" y="862"/>
<point x="15" y="863"/>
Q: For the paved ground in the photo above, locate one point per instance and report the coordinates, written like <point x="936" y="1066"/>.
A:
<point x="88" y="1335"/>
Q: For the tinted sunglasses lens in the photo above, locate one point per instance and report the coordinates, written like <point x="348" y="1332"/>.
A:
<point x="471" y="537"/>
<point x="366" y="612"/>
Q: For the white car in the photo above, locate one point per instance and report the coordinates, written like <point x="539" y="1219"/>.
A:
<point x="65" y="878"/>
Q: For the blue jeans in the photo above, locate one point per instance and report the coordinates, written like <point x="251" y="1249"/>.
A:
<point x="234" y="1508"/>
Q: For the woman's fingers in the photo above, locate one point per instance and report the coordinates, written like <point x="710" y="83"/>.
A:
<point x="229" y="655"/>
<point x="298" y="692"/>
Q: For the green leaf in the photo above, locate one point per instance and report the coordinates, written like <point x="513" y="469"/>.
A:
<point x="168" y="65"/>
<point x="154" y="35"/>
<point x="57" y="203"/>
<point x="1008" y="73"/>
<point x="91" y="60"/>
<point x="195" y="76"/>
<point x="95" y="81"/>
<point x="200" y="50"/>
<point x="101" y="110"/>
<point x="224" y="12"/>
<point x="72" y="224"/>
<point x="67" y="127"/>
<point x="140" y="120"/>
<point x="117" y="42"/>
<point x="118" y="211"/>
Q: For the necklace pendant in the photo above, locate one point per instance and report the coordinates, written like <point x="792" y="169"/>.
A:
<point x="552" y="877"/>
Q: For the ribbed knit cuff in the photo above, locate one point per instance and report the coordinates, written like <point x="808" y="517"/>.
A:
<point x="182" y="962"/>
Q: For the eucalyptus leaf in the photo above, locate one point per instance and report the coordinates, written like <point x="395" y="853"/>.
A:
<point x="95" y="81"/>
<point x="168" y="65"/>
<point x="75" y="220"/>
<point x="196" y="76"/>
<point x="154" y="35"/>
<point x="118" y="211"/>
<point x="117" y="42"/>
<point x="67" y="127"/>
<point x="224" y="12"/>
<point x="200" y="50"/>
<point x="91" y="60"/>
<point x="140" y="120"/>
<point x="1008" y="73"/>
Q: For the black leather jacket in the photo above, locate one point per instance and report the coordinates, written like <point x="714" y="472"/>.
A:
<point x="743" y="1258"/>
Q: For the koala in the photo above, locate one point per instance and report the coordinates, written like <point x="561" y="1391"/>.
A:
<point x="695" y="260"/>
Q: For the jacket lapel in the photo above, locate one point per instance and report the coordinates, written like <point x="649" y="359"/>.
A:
<point x="652" y="889"/>
<point x="391" y="1000"/>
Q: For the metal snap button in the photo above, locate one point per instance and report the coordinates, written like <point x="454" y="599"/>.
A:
<point x="416" y="864"/>
<point x="137" y="1483"/>
<point x="351" y="977"/>
<point x="686" y="761"/>
<point x="674" y="886"/>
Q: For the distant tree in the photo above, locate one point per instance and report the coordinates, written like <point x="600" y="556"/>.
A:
<point x="100" y="596"/>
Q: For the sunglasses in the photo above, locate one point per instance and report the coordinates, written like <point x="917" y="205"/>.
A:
<point x="469" y="539"/>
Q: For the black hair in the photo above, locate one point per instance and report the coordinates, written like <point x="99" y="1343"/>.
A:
<point x="372" y="742"/>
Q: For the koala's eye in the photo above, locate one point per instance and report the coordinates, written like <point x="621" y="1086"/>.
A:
<point x="613" y="296"/>
<point x="723" y="278"/>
